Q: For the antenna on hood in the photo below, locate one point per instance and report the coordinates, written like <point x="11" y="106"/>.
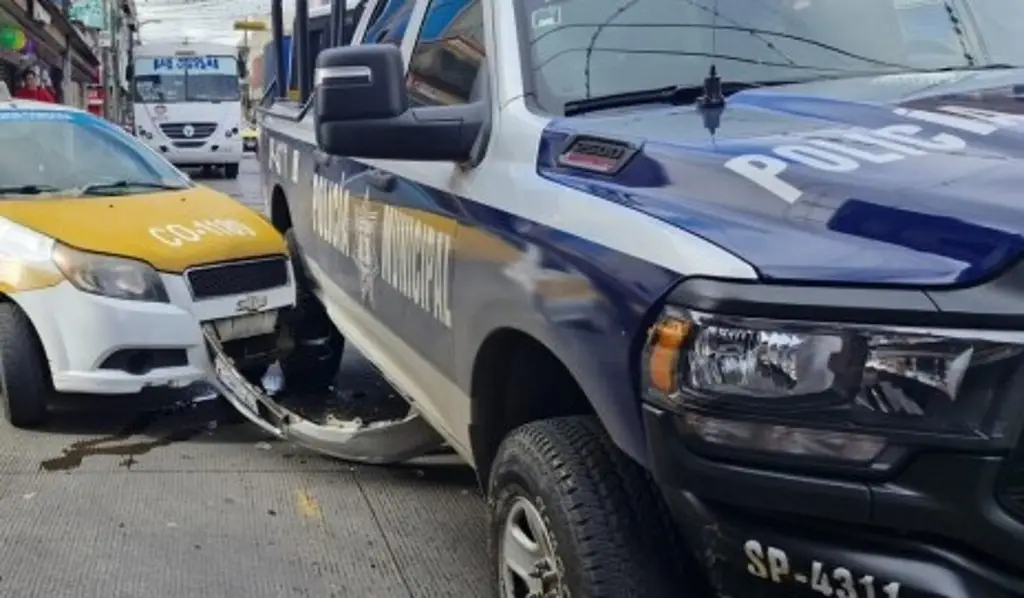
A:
<point x="712" y="102"/>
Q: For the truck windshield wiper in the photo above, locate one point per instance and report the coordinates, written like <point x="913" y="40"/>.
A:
<point x="126" y="184"/>
<point x="28" y="189"/>
<point x="981" y="67"/>
<point x="674" y="94"/>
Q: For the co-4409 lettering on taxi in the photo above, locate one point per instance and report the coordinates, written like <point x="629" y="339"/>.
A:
<point x="774" y="564"/>
<point x="177" y="234"/>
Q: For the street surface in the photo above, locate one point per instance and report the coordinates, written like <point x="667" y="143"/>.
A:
<point x="118" y="500"/>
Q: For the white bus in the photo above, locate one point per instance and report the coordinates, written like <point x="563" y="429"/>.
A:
<point x="188" y="103"/>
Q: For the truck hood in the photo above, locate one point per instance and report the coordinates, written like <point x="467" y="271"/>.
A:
<point x="171" y="230"/>
<point x="913" y="179"/>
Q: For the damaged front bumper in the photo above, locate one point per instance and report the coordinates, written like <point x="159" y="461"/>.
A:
<point x="383" y="442"/>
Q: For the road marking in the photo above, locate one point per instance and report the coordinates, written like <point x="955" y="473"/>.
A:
<point x="307" y="505"/>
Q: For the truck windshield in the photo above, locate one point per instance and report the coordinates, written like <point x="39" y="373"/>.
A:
<point x="194" y="79"/>
<point x="577" y="49"/>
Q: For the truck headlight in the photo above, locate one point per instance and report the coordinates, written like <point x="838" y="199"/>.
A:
<point x="115" y="277"/>
<point x="834" y="391"/>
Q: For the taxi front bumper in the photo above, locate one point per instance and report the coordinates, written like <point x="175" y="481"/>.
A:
<point x="379" y="443"/>
<point x="103" y="346"/>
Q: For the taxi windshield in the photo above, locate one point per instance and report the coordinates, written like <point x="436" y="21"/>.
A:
<point x="580" y="49"/>
<point x="66" y="153"/>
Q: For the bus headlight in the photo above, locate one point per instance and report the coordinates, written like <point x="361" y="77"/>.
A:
<point x="832" y="391"/>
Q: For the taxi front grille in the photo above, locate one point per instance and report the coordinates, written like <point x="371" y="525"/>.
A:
<point x="198" y="130"/>
<point x="236" y="278"/>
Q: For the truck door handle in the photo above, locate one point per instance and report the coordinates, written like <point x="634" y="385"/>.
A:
<point x="381" y="180"/>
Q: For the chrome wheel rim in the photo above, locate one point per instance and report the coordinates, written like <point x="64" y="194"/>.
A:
<point x="526" y="554"/>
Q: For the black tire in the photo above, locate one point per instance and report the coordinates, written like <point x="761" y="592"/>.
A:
<point x="25" y="381"/>
<point x="586" y="495"/>
<point x="231" y="171"/>
<point x="315" y="360"/>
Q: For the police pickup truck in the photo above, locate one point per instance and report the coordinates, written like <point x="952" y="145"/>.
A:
<point x="717" y="297"/>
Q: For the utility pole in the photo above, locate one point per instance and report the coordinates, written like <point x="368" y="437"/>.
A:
<point x="66" y="79"/>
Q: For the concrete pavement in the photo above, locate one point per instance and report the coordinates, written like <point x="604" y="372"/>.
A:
<point x="114" y="501"/>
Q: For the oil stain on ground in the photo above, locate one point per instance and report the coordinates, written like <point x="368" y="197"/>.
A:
<point x="117" y="445"/>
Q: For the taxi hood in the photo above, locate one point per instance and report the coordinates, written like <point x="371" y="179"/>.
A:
<point x="911" y="179"/>
<point x="171" y="230"/>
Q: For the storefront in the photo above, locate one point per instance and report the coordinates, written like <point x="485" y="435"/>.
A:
<point x="35" y="34"/>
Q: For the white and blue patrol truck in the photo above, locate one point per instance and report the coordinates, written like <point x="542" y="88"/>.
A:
<point x="718" y="297"/>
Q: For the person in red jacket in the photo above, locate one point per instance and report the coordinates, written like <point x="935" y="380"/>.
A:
<point x="31" y="90"/>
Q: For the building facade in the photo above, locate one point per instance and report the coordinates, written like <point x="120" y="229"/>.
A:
<point x="112" y="25"/>
<point x="38" y="35"/>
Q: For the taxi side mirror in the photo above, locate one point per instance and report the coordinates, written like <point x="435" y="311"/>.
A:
<point x="361" y="110"/>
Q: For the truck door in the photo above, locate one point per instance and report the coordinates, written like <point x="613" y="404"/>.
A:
<point x="396" y="254"/>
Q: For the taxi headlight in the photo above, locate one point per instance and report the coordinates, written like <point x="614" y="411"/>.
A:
<point x="832" y="391"/>
<point x="116" y="277"/>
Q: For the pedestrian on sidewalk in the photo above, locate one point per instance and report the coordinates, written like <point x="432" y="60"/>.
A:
<point x="31" y="90"/>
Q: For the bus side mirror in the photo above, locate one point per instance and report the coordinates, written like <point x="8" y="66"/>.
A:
<point x="129" y="71"/>
<point x="361" y="110"/>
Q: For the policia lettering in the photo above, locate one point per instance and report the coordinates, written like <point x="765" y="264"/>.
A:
<point x="845" y="150"/>
<point x="414" y="258"/>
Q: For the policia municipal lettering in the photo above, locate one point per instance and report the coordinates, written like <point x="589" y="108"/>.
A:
<point x="414" y="258"/>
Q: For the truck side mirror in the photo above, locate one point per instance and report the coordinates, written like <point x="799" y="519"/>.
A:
<point x="359" y="82"/>
<point x="361" y="110"/>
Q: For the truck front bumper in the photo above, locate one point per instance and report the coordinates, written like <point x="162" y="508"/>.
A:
<point x="761" y="533"/>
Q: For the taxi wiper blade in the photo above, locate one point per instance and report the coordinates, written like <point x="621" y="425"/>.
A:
<point x="28" y="189"/>
<point x="675" y="94"/>
<point x="126" y="184"/>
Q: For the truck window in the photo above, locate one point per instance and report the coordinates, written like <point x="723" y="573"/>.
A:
<point x="448" y="55"/>
<point x="388" y="22"/>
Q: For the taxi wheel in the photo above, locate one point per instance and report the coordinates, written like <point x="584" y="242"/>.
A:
<point x="565" y="519"/>
<point x="231" y="171"/>
<point x="25" y="381"/>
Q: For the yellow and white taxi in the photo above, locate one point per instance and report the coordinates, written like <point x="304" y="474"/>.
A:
<point x="116" y="270"/>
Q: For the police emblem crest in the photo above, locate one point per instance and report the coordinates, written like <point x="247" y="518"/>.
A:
<point x="366" y="247"/>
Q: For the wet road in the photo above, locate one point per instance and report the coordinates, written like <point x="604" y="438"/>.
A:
<point x="113" y="501"/>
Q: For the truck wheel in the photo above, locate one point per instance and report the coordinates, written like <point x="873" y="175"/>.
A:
<point x="562" y="519"/>
<point x="25" y="380"/>
<point x="231" y="171"/>
<point x="316" y="358"/>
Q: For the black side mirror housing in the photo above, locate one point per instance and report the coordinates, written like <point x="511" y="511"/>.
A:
<point x="361" y="110"/>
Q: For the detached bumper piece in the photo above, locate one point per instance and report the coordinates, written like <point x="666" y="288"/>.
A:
<point x="376" y="443"/>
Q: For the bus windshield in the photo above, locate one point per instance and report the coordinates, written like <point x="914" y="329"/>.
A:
<point x="173" y="79"/>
